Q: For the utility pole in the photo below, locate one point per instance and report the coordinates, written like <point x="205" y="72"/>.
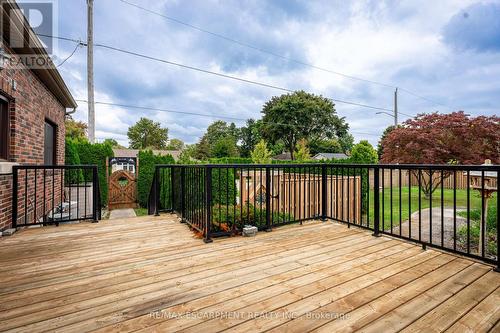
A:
<point x="396" y="107"/>
<point x="90" y="70"/>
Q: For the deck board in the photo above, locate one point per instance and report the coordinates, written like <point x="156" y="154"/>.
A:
<point x="138" y="274"/>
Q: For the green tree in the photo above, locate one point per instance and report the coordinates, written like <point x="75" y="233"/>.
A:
<point x="219" y="141"/>
<point x="202" y="149"/>
<point x="346" y="142"/>
<point x="276" y="148"/>
<point x="363" y="152"/>
<point x="250" y="135"/>
<point x="188" y="154"/>
<point x="113" y="143"/>
<point x="325" y="146"/>
<point x="380" y="147"/>
<point x="260" y="154"/>
<point x="302" y="154"/>
<point x="175" y="144"/>
<point x="224" y="147"/>
<point x="147" y="134"/>
<point x="300" y="115"/>
<point x="75" y="129"/>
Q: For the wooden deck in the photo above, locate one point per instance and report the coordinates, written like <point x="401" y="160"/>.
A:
<point x="150" y="274"/>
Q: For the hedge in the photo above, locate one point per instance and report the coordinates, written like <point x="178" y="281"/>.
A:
<point x="229" y="160"/>
<point x="147" y="161"/>
<point x="95" y="154"/>
<point x="72" y="158"/>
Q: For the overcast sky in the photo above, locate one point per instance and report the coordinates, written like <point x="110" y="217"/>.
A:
<point x="447" y="51"/>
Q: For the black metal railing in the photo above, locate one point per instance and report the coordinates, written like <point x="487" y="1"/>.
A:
<point x="45" y="194"/>
<point x="450" y="207"/>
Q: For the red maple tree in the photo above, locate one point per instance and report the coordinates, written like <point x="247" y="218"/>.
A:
<point x="443" y="139"/>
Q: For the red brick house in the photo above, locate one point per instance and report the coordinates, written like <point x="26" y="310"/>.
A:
<point x="33" y="105"/>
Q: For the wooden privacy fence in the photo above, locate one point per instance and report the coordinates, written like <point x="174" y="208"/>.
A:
<point x="301" y="194"/>
<point x="448" y="183"/>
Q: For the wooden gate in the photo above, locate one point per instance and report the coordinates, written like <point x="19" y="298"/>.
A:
<point x="122" y="190"/>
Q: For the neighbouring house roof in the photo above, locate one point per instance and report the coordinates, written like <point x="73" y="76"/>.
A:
<point x="282" y="156"/>
<point x="124" y="152"/>
<point x="18" y="28"/>
<point x="329" y="156"/>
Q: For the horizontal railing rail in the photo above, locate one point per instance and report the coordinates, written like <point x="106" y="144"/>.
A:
<point x="407" y="201"/>
<point x="52" y="194"/>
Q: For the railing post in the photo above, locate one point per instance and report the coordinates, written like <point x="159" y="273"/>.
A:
<point x="208" y="203"/>
<point x="183" y="202"/>
<point x="172" y="190"/>
<point x="95" y="188"/>
<point x="14" y="196"/>
<point x="324" y="192"/>
<point x="497" y="269"/>
<point x="268" y="198"/>
<point x="376" y="201"/>
<point x="157" y="190"/>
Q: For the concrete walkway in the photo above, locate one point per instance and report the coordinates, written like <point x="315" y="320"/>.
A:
<point x="121" y="213"/>
<point x="447" y="220"/>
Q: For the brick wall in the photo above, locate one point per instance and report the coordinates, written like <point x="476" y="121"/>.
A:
<point x="5" y="200"/>
<point x="31" y="103"/>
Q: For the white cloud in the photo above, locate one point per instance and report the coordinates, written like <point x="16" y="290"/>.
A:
<point x="394" y="42"/>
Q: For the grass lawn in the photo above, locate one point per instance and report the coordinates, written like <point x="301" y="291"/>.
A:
<point x="141" y="211"/>
<point x="411" y="202"/>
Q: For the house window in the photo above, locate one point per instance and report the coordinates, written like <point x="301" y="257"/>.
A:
<point x="50" y="144"/>
<point x="4" y="129"/>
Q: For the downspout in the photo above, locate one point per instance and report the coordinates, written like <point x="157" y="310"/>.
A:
<point x="70" y="112"/>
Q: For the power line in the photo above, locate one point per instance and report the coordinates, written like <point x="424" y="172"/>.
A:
<point x="231" y="77"/>
<point x="259" y="49"/>
<point x="72" y="53"/>
<point x="163" y="110"/>
<point x="128" y="106"/>
<point x="426" y="99"/>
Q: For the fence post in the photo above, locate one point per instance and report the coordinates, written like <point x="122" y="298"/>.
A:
<point x="14" y="196"/>
<point x="268" y="198"/>
<point x="208" y="202"/>
<point x="183" y="202"/>
<point x="95" y="188"/>
<point x="376" y="201"/>
<point x="324" y="192"/>
<point x="157" y="190"/>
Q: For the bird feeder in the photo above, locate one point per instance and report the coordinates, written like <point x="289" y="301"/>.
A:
<point x="485" y="182"/>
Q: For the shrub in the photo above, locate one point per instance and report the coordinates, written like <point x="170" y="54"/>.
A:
<point x="147" y="161"/>
<point x="490" y="232"/>
<point x="363" y="152"/>
<point x="260" y="154"/>
<point x="234" y="217"/>
<point x="229" y="160"/>
<point x="74" y="176"/>
<point x="224" y="186"/>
